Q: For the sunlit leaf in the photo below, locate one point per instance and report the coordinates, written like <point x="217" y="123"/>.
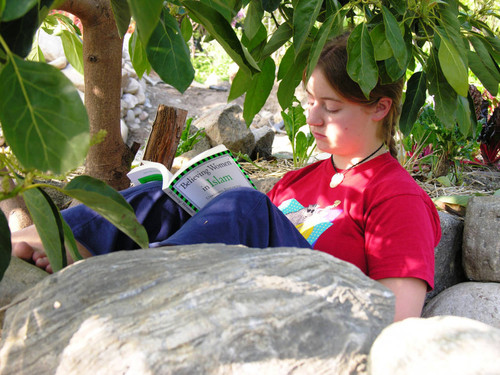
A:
<point x="253" y="18"/>
<point x="69" y="241"/>
<point x="223" y="32"/>
<point x="169" y="55"/>
<point x="463" y="115"/>
<point x="445" y="97"/>
<point x="5" y="244"/>
<point x="361" y="64"/>
<point x="414" y="100"/>
<point x="48" y="224"/>
<point x="73" y="50"/>
<point x="394" y="37"/>
<point x="122" y="13"/>
<point x="138" y="55"/>
<point x="292" y="78"/>
<point x="146" y="15"/>
<point x="305" y="15"/>
<point x="186" y="29"/>
<point x="330" y="26"/>
<point x="282" y="35"/>
<point x="224" y="7"/>
<point x="453" y="67"/>
<point x="108" y="203"/>
<point x="43" y="118"/>
<point x="259" y="90"/>
<point x="240" y="85"/>
<point x="476" y="64"/>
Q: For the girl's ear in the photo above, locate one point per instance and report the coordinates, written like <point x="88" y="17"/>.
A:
<point x="382" y="107"/>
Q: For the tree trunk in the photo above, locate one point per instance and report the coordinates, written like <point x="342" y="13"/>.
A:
<point x="102" y="55"/>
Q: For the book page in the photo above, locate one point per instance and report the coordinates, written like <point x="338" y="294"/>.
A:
<point x="202" y="181"/>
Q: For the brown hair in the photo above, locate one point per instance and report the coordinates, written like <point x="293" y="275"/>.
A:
<point x="333" y="63"/>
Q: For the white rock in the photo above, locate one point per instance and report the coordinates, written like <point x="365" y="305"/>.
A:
<point x="125" y="77"/>
<point x="130" y="99"/>
<point x="130" y="117"/>
<point x="124" y="130"/>
<point x="51" y="46"/>
<point x="75" y="77"/>
<point x="125" y="106"/>
<point x="137" y="121"/>
<point x="140" y="96"/>
<point x="59" y="63"/>
<point x="137" y="110"/>
<point x="133" y="86"/>
<point x="143" y="115"/>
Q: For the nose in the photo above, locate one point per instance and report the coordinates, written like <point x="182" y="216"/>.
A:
<point x="313" y="115"/>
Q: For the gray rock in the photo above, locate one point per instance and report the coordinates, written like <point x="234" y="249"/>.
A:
<point x="264" y="138"/>
<point x="474" y="300"/>
<point x="265" y="184"/>
<point x="19" y="277"/>
<point x="440" y="345"/>
<point x="481" y="247"/>
<point x="225" y="125"/>
<point x="201" y="309"/>
<point x="448" y="255"/>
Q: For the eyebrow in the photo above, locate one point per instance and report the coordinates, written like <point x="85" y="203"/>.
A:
<point x="325" y="98"/>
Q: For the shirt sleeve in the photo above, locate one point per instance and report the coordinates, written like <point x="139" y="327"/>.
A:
<point x="400" y="236"/>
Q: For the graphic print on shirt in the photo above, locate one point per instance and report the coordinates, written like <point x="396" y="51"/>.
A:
<point x="311" y="221"/>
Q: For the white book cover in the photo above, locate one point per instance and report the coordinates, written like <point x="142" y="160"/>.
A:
<point x="207" y="175"/>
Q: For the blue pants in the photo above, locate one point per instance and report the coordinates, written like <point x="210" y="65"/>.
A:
<point x="241" y="216"/>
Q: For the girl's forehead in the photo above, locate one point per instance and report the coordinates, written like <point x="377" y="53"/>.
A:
<point x="318" y="86"/>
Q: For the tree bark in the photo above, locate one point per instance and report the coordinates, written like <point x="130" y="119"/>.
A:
<point x="109" y="160"/>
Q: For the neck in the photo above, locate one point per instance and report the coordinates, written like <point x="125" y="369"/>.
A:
<point x="346" y="162"/>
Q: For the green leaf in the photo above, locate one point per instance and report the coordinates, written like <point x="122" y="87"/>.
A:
<point x="240" y="85"/>
<point x="108" y="203"/>
<point x="305" y="15"/>
<point x="414" y="100"/>
<point x="43" y="118"/>
<point x="169" y="55"/>
<point x="270" y="5"/>
<point x="361" y="64"/>
<point x="122" y="13"/>
<point x="224" y="7"/>
<point x="445" y="98"/>
<point x="146" y="15"/>
<point x="138" y="55"/>
<point x="460" y="200"/>
<point x="381" y="45"/>
<point x="329" y="27"/>
<point x="463" y="116"/>
<point x="253" y="19"/>
<point x="259" y="90"/>
<point x="186" y="29"/>
<point x="2" y="7"/>
<point x="5" y="244"/>
<point x="222" y="31"/>
<point x="69" y="241"/>
<point x="16" y="9"/>
<point x="73" y="49"/>
<point x="282" y="35"/>
<point x="476" y="64"/>
<point x="453" y="67"/>
<point x="482" y="51"/>
<point x="395" y="38"/>
<point x="48" y="224"/>
<point x="292" y="78"/>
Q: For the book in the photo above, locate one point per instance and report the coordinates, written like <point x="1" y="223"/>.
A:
<point x="204" y="177"/>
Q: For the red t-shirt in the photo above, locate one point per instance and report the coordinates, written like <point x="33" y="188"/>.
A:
<point x="378" y="218"/>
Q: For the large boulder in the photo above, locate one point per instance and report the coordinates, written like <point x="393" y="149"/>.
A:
<point x="474" y="300"/>
<point x="448" y="255"/>
<point x="225" y="125"/>
<point x="198" y="310"/>
<point x="440" y="345"/>
<point x="481" y="246"/>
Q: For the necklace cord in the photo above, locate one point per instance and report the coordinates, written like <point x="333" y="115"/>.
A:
<point x="359" y="162"/>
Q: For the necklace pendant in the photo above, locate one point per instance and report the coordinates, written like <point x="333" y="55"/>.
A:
<point x="336" y="180"/>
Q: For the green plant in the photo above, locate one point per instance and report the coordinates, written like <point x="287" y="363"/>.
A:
<point x="440" y="147"/>
<point x="188" y="140"/>
<point x="302" y="144"/>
